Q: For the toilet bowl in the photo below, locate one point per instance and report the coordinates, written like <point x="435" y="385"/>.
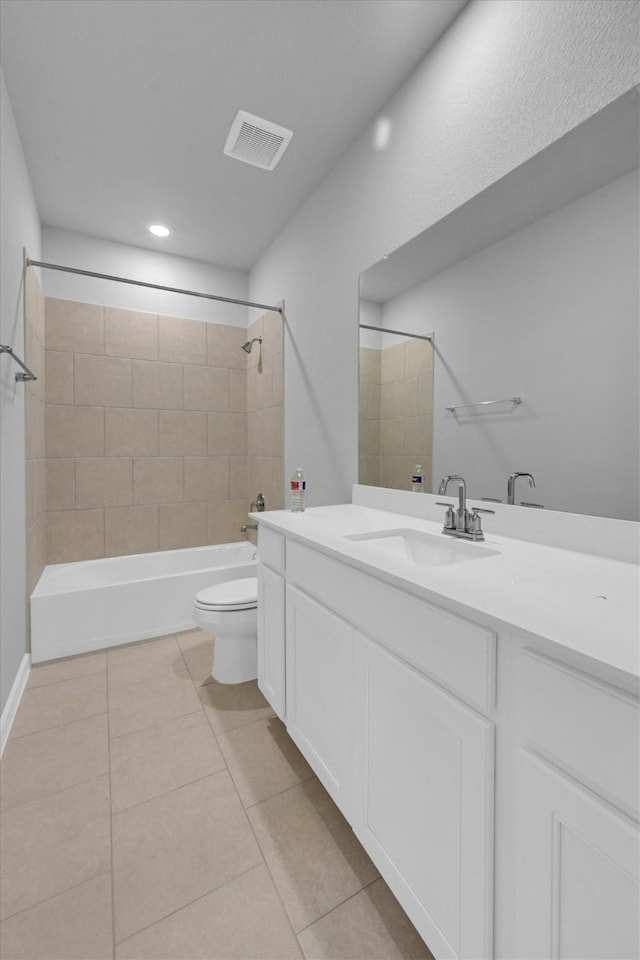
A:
<point x="229" y="612"/>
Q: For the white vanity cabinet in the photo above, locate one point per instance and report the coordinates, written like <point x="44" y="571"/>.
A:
<point x="423" y="800"/>
<point x="271" y="619"/>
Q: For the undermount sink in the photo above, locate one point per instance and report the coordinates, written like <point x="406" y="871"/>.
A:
<point x="425" y="549"/>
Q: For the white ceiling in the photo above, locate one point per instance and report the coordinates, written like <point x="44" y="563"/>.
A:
<point x="123" y="107"/>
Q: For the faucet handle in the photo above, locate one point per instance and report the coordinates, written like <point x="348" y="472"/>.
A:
<point x="483" y="509"/>
<point x="475" y="522"/>
<point x="450" y="519"/>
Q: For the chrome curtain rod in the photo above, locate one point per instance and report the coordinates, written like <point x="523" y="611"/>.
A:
<point x="399" y="333"/>
<point x="152" y="286"/>
<point x="20" y="377"/>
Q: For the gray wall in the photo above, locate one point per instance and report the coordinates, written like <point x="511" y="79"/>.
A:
<point x="505" y="80"/>
<point x="20" y="228"/>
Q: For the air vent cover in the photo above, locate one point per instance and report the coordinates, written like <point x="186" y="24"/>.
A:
<point x="256" y="141"/>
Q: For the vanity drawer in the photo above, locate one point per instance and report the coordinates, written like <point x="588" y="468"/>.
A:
<point x="448" y="648"/>
<point x="271" y="548"/>
<point x="587" y="727"/>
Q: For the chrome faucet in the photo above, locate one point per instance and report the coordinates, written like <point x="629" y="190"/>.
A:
<point x="259" y="504"/>
<point x="511" y="485"/>
<point x="461" y="522"/>
<point x="248" y="526"/>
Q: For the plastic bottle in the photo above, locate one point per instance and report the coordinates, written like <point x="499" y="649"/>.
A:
<point x="417" y="480"/>
<point x="298" y="486"/>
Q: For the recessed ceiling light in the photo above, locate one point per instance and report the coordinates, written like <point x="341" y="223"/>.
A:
<point x="159" y="230"/>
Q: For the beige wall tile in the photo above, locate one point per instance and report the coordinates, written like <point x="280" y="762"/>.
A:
<point x="224" y="519"/>
<point x="130" y="530"/>
<point x="158" y="385"/>
<point x="370" y="364"/>
<point x="206" y="388"/>
<point x="131" y="433"/>
<point x="103" y="482"/>
<point x="273" y="436"/>
<point x="182" y="525"/>
<point x="370" y="399"/>
<point x="255" y="329"/>
<point x="36" y="489"/>
<point x="223" y="346"/>
<point x="75" y="535"/>
<point x="272" y="334"/>
<point x="35" y="427"/>
<point x="36" y="551"/>
<point x="252" y="388"/>
<point x="130" y="333"/>
<point x="391" y="438"/>
<point x="157" y="480"/>
<point x="60" y="479"/>
<point x="58" y="377"/>
<point x="34" y="359"/>
<point x="182" y="341"/>
<point x="417" y="435"/>
<point x="277" y="380"/>
<point x="73" y="326"/>
<point x="369" y="438"/>
<point x="238" y="478"/>
<point x="392" y="363"/>
<point x="101" y="381"/>
<point x="260" y="479"/>
<point x="278" y="494"/>
<point x="74" y="431"/>
<point x="206" y="478"/>
<point x="34" y="302"/>
<point x="369" y="473"/>
<point x="418" y="358"/>
<point x="182" y="433"/>
<point x="227" y="434"/>
<point x="238" y="391"/>
<point x="264" y="385"/>
<point x="425" y="393"/>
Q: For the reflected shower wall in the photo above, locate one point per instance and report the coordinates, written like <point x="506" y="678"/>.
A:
<point x="396" y="410"/>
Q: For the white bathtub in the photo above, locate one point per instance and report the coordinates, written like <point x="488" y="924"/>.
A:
<point x="77" y="607"/>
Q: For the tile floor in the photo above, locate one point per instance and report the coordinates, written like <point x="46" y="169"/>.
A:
<point x="148" y="811"/>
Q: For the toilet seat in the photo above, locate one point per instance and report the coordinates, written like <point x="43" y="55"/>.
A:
<point x="229" y="596"/>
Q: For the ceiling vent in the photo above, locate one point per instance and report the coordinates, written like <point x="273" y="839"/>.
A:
<point x="256" y="141"/>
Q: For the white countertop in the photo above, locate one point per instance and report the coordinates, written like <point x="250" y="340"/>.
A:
<point x="545" y="592"/>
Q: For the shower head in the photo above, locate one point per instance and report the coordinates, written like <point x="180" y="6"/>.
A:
<point x="247" y="346"/>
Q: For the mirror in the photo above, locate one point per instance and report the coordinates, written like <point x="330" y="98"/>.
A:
<point x="530" y="293"/>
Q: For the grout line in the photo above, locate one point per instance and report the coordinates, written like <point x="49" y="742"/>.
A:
<point x="342" y="902"/>
<point x="119" y="736"/>
<point x="56" y="726"/>
<point x="272" y="796"/>
<point x="54" y="895"/>
<point x="82" y="676"/>
<point x="54" y="793"/>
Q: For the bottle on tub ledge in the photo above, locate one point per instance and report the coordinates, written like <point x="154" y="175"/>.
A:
<point x="298" y="486"/>
<point x="417" y="480"/>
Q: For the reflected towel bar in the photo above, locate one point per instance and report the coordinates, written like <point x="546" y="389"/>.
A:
<point x="20" y="377"/>
<point x="484" y="403"/>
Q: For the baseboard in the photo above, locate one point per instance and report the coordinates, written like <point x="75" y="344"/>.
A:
<point x="13" y="700"/>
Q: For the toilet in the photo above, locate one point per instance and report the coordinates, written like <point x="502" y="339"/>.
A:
<point x="229" y="611"/>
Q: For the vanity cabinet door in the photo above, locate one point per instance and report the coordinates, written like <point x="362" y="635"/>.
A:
<point x="577" y="889"/>
<point x="271" y="639"/>
<point x="423" y="800"/>
<point x="319" y="656"/>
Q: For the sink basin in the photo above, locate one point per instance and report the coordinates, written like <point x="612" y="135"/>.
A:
<point x="425" y="549"/>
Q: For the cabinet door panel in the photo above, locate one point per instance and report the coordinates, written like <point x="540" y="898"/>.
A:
<point x="423" y="795"/>
<point x="319" y="654"/>
<point x="578" y="889"/>
<point x="271" y="639"/>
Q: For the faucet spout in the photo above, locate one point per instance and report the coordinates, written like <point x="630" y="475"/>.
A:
<point x="461" y="513"/>
<point x="511" y="485"/>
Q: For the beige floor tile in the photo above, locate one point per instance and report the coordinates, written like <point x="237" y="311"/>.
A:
<point x="43" y="763"/>
<point x="54" y="843"/>
<point x="197" y="650"/>
<point x="58" y="703"/>
<point x="139" y="661"/>
<point x="312" y="853"/>
<point x="173" y="849"/>
<point x="370" y="925"/>
<point x="74" y="925"/>
<point x="231" y="705"/>
<point x="68" y="669"/>
<point x="133" y="706"/>
<point x="157" y="759"/>
<point x="243" y="920"/>
<point x="263" y="760"/>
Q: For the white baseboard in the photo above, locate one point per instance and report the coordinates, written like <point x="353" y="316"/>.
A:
<point x="13" y="700"/>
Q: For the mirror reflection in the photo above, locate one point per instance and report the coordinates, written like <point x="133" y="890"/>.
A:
<point x="530" y="292"/>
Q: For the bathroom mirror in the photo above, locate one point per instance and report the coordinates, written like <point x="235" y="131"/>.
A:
<point x="530" y="293"/>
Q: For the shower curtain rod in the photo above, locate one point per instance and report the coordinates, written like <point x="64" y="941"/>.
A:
<point x="153" y="286"/>
<point x="398" y="333"/>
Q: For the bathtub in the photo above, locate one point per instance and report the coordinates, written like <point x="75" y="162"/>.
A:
<point x="92" y="604"/>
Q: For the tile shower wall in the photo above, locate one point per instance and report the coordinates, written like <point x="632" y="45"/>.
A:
<point x="146" y="432"/>
<point x="265" y="409"/>
<point x="396" y="414"/>
<point x="35" y="433"/>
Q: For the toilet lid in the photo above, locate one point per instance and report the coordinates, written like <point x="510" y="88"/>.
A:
<point x="231" y="595"/>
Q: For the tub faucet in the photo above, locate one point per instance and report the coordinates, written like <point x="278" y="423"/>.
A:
<point x="259" y="504"/>
<point x="511" y="485"/>
<point x="248" y="526"/>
